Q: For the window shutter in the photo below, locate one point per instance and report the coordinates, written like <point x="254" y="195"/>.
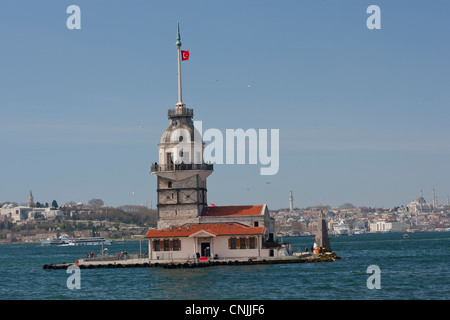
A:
<point x="229" y="243"/>
<point x="154" y="245"/>
<point x="247" y="243"/>
<point x="171" y="244"/>
<point x="253" y="244"/>
<point x="238" y="243"/>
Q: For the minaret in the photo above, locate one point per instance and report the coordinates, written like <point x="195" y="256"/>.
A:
<point x="30" y="199"/>
<point x="291" y="202"/>
<point x="434" y="199"/>
<point x="181" y="172"/>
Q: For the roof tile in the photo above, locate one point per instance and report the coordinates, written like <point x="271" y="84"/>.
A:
<point x="233" y="211"/>
<point x="217" y="229"/>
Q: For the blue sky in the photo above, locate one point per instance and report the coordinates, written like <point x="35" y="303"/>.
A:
<point x="363" y="114"/>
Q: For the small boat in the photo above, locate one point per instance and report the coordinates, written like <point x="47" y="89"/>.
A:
<point x="405" y="236"/>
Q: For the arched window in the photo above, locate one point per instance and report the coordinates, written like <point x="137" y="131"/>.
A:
<point x="169" y="184"/>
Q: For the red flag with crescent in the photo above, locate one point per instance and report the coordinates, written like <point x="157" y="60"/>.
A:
<point x="184" y="55"/>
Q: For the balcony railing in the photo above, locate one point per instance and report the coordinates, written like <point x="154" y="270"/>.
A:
<point x="180" y="112"/>
<point x="181" y="167"/>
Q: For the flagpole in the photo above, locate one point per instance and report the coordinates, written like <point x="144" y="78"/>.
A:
<point x="178" y="44"/>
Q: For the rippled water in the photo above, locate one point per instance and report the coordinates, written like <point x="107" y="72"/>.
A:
<point x="413" y="268"/>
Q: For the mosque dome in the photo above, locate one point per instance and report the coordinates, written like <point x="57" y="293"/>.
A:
<point x="419" y="204"/>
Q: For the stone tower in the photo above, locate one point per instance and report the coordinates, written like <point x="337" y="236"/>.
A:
<point x="30" y="200"/>
<point x="181" y="172"/>
<point x="322" y="239"/>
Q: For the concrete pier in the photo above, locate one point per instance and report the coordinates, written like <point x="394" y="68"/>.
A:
<point x="174" y="264"/>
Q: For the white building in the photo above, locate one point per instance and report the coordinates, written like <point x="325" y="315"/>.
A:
<point x="19" y="213"/>
<point x="223" y="232"/>
<point x="339" y="228"/>
<point x="22" y="213"/>
<point x="29" y="212"/>
<point x="382" y="225"/>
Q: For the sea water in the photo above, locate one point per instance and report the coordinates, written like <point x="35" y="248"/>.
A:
<point x="414" y="268"/>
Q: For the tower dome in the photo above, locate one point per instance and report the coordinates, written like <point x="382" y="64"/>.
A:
<point x="181" y="130"/>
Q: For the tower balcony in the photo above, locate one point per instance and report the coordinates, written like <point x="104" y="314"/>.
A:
<point x="182" y="171"/>
<point x="181" y="167"/>
<point x="180" y="111"/>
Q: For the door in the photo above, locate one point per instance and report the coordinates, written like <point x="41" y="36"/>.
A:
<point x="169" y="161"/>
<point x="205" y="249"/>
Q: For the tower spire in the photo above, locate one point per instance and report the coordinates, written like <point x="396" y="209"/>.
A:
<point x="291" y="202"/>
<point x="178" y="44"/>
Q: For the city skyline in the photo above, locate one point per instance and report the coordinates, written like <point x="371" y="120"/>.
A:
<point x="362" y="114"/>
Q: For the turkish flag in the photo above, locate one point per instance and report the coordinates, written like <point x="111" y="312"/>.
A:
<point x="184" y="55"/>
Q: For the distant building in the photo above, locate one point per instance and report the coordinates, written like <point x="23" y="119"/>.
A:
<point x="29" y="212"/>
<point x="382" y="225"/>
<point x="19" y="213"/>
<point x="419" y="205"/>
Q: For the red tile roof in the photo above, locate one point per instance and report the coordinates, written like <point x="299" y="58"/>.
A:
<point x="217" y="229"/>
<point x="232" y="211"/>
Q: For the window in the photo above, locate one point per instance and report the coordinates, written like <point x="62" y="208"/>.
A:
<point x="176" y="245"/>
<point x="232" y="243"/>
<point x="169" y="184"/>
<point x="180" y="138"/>
<point x="252" y="243"/>
<point x="166" y="245"/>
<point x="242" y="244"/>
<point x="256" y="224"/>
